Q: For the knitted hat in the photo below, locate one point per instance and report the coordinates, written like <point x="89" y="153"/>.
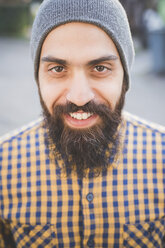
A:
<point x="109" y="15"/>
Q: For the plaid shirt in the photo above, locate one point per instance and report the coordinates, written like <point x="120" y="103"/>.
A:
<point x="42" y="208"/>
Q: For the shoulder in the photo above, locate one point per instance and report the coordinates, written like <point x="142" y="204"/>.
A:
<point x="22" y="134"/>
<point x="144" y="140"/>
<point x="136" y="123"/>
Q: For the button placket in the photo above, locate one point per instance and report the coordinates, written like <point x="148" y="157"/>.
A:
<point x="88" y="209"/>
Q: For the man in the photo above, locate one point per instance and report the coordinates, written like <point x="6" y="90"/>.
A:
<point x="86" y="175"/>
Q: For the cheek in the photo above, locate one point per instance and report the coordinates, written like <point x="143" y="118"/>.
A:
<point x="111" y="93"/>
<point x="51" y="95"/>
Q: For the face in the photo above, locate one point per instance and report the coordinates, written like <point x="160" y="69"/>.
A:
<point x="79" y="63"/>
<point x="81" y="91"/>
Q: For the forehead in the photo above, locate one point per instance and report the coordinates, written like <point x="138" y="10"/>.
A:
<point x="81" y="40"/>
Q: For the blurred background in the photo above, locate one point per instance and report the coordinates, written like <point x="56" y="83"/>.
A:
<point x="19" y="102"/>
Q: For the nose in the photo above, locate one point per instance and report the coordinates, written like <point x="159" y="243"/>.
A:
<point x="80" y="92"/>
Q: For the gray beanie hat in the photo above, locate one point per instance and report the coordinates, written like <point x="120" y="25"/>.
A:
<point x="109" y="15"/>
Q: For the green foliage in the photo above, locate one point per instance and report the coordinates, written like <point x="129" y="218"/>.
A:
<point x="14" y="19"/>
<point x="161" y="9"/>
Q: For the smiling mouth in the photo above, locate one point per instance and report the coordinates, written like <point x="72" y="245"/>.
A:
<point x="81" y="116"/>
<point x="81" y="119"/>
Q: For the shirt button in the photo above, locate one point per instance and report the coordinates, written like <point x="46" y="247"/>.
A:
<point x="27" y="230"/>
<point x="90" y="197"/>
<point x="90" y="242"/>
<point x="151" y="229"/>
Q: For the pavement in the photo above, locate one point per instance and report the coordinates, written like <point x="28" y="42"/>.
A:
<point x="19" y="101"/>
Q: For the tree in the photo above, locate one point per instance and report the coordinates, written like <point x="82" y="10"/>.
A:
<point x="14" y="16"/>
<point x="14" y="2"/>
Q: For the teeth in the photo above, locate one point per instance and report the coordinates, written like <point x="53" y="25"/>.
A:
<point x="80" y="116"/>
<point x="85" y="116"/>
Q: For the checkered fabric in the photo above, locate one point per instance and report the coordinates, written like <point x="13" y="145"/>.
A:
<point x="40" y="207"/>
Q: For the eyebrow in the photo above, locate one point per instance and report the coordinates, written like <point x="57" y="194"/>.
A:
<point x="54" y="60"/>
<point x="102" y="59"/>
<point x="90" y="63"/>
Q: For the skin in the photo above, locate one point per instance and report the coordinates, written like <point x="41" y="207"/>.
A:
<point x="79" y="63"/>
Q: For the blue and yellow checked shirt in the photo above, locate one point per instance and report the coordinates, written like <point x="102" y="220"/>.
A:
<point x="42" y="208"/>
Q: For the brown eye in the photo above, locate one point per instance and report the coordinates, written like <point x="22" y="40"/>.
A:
<point x="57" y="69"/>
<point x="100" y="68"/>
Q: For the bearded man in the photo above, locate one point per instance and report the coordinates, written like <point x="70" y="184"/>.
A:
<point x="85" y="175"/>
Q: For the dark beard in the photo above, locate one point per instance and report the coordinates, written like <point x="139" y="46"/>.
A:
<point x="91" y="148"/>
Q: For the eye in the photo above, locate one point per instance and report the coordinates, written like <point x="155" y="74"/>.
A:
<point x="57" y="69"/>
<point x="101" y="68"/>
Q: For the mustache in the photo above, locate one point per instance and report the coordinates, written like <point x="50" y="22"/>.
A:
<point x="90" y="107"/>
<point x="103" y="111"/>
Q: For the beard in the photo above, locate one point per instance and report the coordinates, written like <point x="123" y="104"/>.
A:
<point x="85" y="150"/>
